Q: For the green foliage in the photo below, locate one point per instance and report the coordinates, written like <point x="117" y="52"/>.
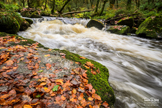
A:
<point x="38" y="96"/>
<point x="55" y="88"/>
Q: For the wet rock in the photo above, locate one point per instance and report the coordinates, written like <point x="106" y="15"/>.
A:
<point x="95" y="23"/>
<point x="35" y="15"/>
<point x="24" y="25"/>
<point x="119" y="29"/>
<point x="151" y="27"/>
<point x="29" y="21"/>
<point x="129" y="21"/>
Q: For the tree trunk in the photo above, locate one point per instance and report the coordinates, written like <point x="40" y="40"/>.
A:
<point x="117" y="3"/>
<point x="53" y="7"/>
<point x="23" y="1"/>
<point x="91" y="2"/>
<point x="45" y="5"/>
<point x="96" y="10"/>
<point x="64" y="6"/>
<point x="112" y="2"/>
<point x="28" y="2"/>
<point x="103" y="7"/>
<point x="129" y="2"/>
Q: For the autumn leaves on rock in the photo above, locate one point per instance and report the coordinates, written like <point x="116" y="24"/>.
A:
<point x="39" y="85"/>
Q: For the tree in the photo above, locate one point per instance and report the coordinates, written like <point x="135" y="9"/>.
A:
<point x="53" y="7"/>
<point x="64" y="6"/>
<point x="96" y="9"/>
<point x="129" y="2"/>
<point x="103" y="6"/>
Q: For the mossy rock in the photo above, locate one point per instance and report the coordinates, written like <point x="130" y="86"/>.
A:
<point x="29" y="21"/>
<point x="151" y="27"/>
<point x="133" y="30"/>
<point x="45" y="13"/>
<point x="8" y="23"/>
<point x="24" y="25"/>
<point x="95" y="23"/>
<point x="99" y="81"/>
<point x="26" y="13"/>
<point x="129" y="21"/>
<point x="119" y="29"/>
<point x="35" y="15"/>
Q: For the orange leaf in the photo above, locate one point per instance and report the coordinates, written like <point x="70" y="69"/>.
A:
<point x="27" y="106"/>
<point x="89" y="86"/>
<point x="63" y="98"/>
<point x="48" y="66"/>
<point x="90" y="64"/>
<point x="96" y="96"/>
<point x="59" y="81"/>
<point x="105" y="104"/>
<point x="42" y="84"/>
<point x="90" y="98"/>
<point x="93" y="72"/>
<point x="82" y="57"/>
<point x="81" y="96"/>
<point x="74" y="91"/>
<point x="96" y="106"/>
<point x="9" y="62"/>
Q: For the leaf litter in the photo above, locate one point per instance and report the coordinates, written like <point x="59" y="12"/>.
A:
<point x="32" y="77"/>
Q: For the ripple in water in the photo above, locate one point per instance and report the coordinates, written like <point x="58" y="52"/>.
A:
<point x="135" y="64"/>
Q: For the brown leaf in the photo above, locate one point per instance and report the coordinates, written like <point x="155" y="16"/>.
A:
<point x="82" y="57"/>
<point x="105" y="104"/>
<point x="27" y="106"/>
<point x="95" y="96"/>
<point x="59" y="81"/>
<point x="48" y="66"/>
<point x="90" y="64"/>
<point x="63" y="98"/>
<point x="9" y="62"/>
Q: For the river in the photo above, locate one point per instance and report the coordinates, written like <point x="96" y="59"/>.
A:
<point x="135" y="64"/>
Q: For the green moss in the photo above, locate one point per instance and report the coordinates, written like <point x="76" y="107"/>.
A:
<point x="129" y="21"/>
<point x="29" y="21"/>
<point x="98" y="81"/>
<point x="119" y="29"/>
<point x="8" y="23"/>
<point x="151" y="27"/>
<point x="95" y="23"/>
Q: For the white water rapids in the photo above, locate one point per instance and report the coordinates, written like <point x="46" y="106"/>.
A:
<point x="135" y="64"/>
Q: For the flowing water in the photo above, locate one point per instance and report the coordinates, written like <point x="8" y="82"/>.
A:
<point x="135" y="64"/>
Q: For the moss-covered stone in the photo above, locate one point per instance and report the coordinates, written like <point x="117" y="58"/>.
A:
<point x="151" y="27"/>
<point x="26" y="13"/>
<point x="35" y="15"/>
<point x="119" y="29"/>
<point x="45" y="13"/>
<point x="133" y="30"/>
<point x="129" y="21"/>
<point x="8" y="23"/>
<point x="24" y="25"/>
<point x="29" y="21"/>
<point x="95" y="23"/>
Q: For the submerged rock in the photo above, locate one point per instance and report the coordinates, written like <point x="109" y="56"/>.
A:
<point x="129" y="21"/>
<point x="95" y="23"/>
<point x="119" y="29"/>
<point x="35" y="15"/>
<point x="151" y="27"/>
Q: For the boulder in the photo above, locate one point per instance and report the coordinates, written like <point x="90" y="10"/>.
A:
<point x="29" y="21"/>
<point x="24" y="25"/>
<point x="26" y="13"/>
<point x="8" y="23"/>
<point x="35" y="15"/>
<point x="151" y="27"/>
<point x="119" y="29"/>
<point x="129" y="21"/>
<point x="95" y="23"/>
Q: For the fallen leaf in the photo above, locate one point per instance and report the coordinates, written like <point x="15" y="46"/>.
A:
<point x="95" y="96"/>
<point x="27" y="106"/>
<point x="55" y="88"/>
<point x="105" y="104"/>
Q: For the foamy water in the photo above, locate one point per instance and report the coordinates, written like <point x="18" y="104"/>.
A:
<point x="135" y="65"/>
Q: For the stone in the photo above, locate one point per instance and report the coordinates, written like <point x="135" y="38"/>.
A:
<point x="95" y="23"/>
<point x="151" y="27"/>
<point x="129" y="21"/>
<point x="119" y="29"/>
<point x="24" y="25"/>
<point x="29" y="21"/>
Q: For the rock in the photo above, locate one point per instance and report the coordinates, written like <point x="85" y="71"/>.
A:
<point x="8" y="23"/>
<point x="95" y="23"/>
<point x="26" y="13"/>
<point x="24" y="25"/>
<point x="29" y="21"/>
<point x="129" y="21"/>
<point x="45" y="13"/>
<point x="119" y="29"/>
<point x="35" y="15"/>
<point x="133" y="30"/>
<point x="151" y="27"/>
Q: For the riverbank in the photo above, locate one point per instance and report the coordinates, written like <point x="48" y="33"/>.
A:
<point x="49" y="76"/>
